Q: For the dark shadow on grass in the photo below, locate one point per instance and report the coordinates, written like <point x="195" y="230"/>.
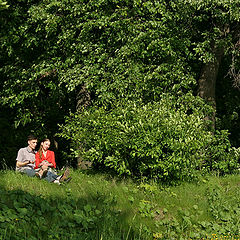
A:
<point x="27" y="216"/>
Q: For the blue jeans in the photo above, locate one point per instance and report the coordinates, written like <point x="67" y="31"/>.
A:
<point x="29" y="171"/>
<point x="50" y="177"/>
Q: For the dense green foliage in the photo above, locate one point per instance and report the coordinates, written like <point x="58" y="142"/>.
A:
<point x="166" y="140"/>
<point x="139" y="63"/>
<point x="3" y="5"/>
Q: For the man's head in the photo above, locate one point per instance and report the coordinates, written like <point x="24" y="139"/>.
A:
<point x="32" y="141"/>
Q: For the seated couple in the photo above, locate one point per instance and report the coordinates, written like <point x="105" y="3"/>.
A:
<point x="39" y="163"/>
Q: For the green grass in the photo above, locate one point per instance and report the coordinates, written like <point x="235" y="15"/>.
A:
<point x="99" y="206"/>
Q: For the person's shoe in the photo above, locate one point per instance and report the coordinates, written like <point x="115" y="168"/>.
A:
<point x="57" y="182"/>
<point x="37" y="174"/>
<point x="44" y="174"/>
<point x="65" y="175"/>
<point x="68" y="180"/>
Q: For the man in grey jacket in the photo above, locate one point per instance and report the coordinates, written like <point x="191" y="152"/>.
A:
<point x="26" y="157"/>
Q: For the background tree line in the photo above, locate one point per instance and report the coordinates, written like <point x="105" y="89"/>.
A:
<point x="146" y="88"/>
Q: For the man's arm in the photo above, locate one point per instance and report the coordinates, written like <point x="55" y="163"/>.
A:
<point x="22" y="164"/>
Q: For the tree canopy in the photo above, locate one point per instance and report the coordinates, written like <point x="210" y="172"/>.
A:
<point x="127" y="83"/>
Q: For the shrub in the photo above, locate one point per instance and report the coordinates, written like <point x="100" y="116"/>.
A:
<point x="167" y="140"/>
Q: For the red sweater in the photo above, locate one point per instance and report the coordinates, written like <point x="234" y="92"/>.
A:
<point x="50" y="157"/>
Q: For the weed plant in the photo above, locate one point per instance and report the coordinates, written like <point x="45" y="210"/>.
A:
<point x="98" y="206"/>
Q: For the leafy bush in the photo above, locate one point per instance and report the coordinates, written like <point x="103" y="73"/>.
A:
<point x="221" y="156"/>
<point x="167" y="140"/>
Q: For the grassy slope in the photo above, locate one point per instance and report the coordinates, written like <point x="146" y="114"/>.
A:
<point x="126" y="210"/>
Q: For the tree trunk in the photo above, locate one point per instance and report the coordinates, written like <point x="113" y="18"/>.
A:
<point x="83" y="101"/>
<point x="207" y="81"/>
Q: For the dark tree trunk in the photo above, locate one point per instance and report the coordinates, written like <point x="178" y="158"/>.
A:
<point x="207" y="81"/>
<point x="83" y="101"/>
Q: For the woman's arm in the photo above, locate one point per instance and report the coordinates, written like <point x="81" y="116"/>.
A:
<point x="37" y="160"/>
<point x="52" y="159"/>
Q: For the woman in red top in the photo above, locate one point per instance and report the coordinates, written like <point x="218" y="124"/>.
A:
<point x="45" y="158"/>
